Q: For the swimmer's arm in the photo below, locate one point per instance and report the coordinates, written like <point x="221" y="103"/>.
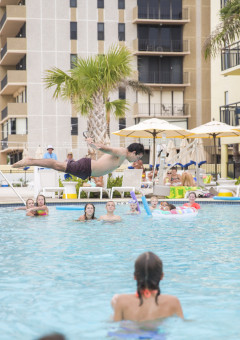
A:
<point x="118" y="311"/>
<point x="118" y="152"/>
<point x="178" y="308"/>
<point x="81" y="218"/>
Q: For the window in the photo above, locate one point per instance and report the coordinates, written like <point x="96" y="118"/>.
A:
<point x="22" y="97"/>
<point x="73" y="30"/>
<point x="122" y="123"/>
<point x="74" y="126"/>
<point x="100" y="27"/>
<point x="22" y="32"/>
<point x="122" y="93"/>
<point x="73" y="3"/>
<point x="121" y="32"/>
<point x="121" y="4"/>
<point x="100" y="3"/>
<point x="73" y="58"/>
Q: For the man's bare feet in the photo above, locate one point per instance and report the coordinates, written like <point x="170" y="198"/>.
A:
<point x="21" y="164"/>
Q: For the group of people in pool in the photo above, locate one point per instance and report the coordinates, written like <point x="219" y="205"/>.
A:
<point x="35" y="209"/>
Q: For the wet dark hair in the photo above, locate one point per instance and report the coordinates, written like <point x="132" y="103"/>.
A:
<point x="171" y="206"/>
<point x="174" y="168"/>
<point x="139" y="148"/>
<point x="85" y="215"/>
<point x="54" y="336"/>
<point x="192" y="192"/>
<point x="43" y="197"/>
<point x="148" y="273"/>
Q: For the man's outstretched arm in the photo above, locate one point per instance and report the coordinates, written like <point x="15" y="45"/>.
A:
<point x="118" y="152"/>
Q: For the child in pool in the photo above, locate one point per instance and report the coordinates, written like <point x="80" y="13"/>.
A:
<point x="28" y="206"/>
<point x="40" y="209"/>
<point x="89" y="211"/>
<point x="133" y="207"/>
<point x="163" y="205"/>
<point x="148" y="303"/>
<point x="192" y="197"/>
<point x="154" y="202"/>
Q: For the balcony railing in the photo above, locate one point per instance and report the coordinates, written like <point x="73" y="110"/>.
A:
<point x="4" y="112"/>
<point x="160" y="110"/>
<point x="4" y="82"/>
<point x="165" y="78"/>
<point x="230" y="56"/>
<point x="155" y="13"/>
<point x="4" y="143"/>
<point x="230" y="114"/>
<point x="4" y="17"/>
<point x="163" y="46"/>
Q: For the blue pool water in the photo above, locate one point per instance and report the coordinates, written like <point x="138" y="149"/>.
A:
<point x="59" y="275"/>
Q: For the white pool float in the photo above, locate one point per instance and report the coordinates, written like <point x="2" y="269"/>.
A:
<point x="179" y="212"/>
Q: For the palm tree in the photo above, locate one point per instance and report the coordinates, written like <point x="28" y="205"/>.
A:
<point x="227" y="31"/>
<point x="89" y="84"/>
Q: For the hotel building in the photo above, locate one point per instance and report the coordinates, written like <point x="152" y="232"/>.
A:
<point x="165" y="37"/>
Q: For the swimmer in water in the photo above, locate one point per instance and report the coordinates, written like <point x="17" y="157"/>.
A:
<point x="89" y="211"/>
<point x="28" y="206"/>
<point x="154" y="202"/>
<point x="192" y="197"/>
<point x="147" y="303"/>
<point x="110" y="207"/>
<point x="163" y="205"/>
<point x="133" y="207"/>
<point x="40" y="209"/>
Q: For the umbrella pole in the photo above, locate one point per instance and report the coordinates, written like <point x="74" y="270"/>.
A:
<point x="215" y="150"/>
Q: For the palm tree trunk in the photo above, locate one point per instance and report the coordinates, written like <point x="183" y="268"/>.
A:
<point x="97" y="124"/>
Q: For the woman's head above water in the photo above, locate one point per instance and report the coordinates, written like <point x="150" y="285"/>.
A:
<point x="148" y="273"/>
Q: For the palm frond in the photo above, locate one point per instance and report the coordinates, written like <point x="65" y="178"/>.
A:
<point x="138" y="86"/>
<point x="226" y="33"/>
<point x="117" y="107"/>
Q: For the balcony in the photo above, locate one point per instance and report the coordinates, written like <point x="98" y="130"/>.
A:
<point x="12" y="81"/>
<point x="168" y="47"/>
<point x="14" y="110"/>
<point x="230" y="60"/>
<point x="143" y="15"/>
<point x="147" y="110"/>
<point x="8" y="2"/>
<point x="13" y="51"/>
<point x="230" y="114"/>
<point x="14" y="142"/>
<point x="12" y="20"/>
<point x="166" y="79"/>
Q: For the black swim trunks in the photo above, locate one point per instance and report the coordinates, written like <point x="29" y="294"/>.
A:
<point x="80" y="168"/>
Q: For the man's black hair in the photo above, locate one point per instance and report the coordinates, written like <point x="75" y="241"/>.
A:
<point x="139" y="148"/>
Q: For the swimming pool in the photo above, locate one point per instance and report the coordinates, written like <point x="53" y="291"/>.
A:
<point x="59" y="275"/>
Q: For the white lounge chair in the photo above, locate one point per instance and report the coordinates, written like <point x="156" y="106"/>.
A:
<point x="88" y="190"/>
<point x="132" y="180"/>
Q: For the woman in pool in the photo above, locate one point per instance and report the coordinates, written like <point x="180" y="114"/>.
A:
<point x="148" y="303"/>
<point x="28" y="206"/>
<point x="192" y="197"/>
<point x="40" y="209"/>
<point x="133" y="207"/>
<point x="89" y="211"/>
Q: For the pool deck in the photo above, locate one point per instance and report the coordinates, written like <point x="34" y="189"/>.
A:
<point x="9" y="197"/>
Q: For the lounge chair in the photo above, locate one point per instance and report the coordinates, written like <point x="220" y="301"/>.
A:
<point x="88" y="190"/>
<point x="47" y="183"/>
<point x="132" y="180"/>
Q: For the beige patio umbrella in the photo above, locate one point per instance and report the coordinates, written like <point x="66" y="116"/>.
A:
<point x="172" y="152"/>
<point x="184" y="155"/>
<point x="236" y="128"/>
<point x="39" y="153"/>
<point x="198" y="155"/>
<point x="214" y="130"/>
<point x="25" y="153"/>
<point x="153" y="128"/>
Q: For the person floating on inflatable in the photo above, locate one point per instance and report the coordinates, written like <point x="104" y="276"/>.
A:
<point x="192" y="197"/>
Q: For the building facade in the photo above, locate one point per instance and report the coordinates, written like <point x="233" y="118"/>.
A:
<point x="165" y="37"/>
<point x="225" y="103"/>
